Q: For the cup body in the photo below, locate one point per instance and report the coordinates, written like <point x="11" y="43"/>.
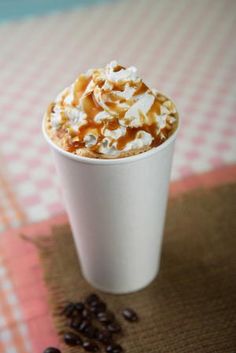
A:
<point x="117" y="211"/>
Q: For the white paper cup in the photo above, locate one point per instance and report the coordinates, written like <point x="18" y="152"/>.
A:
<point x="117" y="211"/>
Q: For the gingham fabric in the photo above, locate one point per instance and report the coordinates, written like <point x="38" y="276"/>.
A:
<point x="185" y="49"/>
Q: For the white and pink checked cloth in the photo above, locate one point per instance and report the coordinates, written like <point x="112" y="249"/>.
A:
<point x="184" y="48"/>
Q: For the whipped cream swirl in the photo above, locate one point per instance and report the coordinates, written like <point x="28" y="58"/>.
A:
<point x="110" y="113"/>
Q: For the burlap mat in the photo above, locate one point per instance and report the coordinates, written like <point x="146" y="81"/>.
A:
<point x="191" y="306"/>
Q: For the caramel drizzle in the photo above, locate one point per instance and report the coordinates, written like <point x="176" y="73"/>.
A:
<point x="92" y="108"/>
<point x="51" y="108"/>
<point x="79" y="88"/>
<point x="142" y="89"/>
<point x="131" y="133"/>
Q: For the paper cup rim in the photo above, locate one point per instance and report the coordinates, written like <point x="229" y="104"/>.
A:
<point x="111" y="161"/>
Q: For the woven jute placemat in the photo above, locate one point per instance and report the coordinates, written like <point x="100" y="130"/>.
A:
<point x="191" y="305"/>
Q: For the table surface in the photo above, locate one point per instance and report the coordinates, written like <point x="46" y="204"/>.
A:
<point x="185" y="49"/>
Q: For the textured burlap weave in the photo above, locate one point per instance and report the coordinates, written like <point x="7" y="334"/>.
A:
<point x="191" y="306"/>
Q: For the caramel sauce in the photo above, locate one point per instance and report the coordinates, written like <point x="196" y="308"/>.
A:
<point x="112" y="106"/>
<point x="115" y="108"/>
<point x="114" y="97"/>
<point x="63" y="117"/>
<point x="119" y="86"/>
<point x="51" y="108"/>
<point x="72" y="147"/>
<point x="96" y="103"/>
<point x="100" y="83"/>
<point x="130" y="136"/>
<point x="80" y="86"/>
<point x="112" y="124"/>
<point x="155" y="109"/>
<point x="63" y="98"/>
<point x="142" y="89"/>
<point x="92" y="126"/>
<point x="157" y="141"/>
<point x="85" y="129"/>
<point x="161" y="98"/>
<point x="152" y="129"/>
<point x="122" y="114"/>
<point x="175" y="124"/>
<point x="91" y="108"/>
<point x="118" y="68"/>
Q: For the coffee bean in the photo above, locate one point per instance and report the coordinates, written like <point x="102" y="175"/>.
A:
<point x="130" y="315"/>
<point x="92" y="299"/>
<point x="75" y="323"/>
<point x="86" y="314"/>
<point x="84" y="324"/>
<point x="114" y="327"/>
<point x="79" y="307"/>
<point x="71" y="339"/>
<point x="98" y="308"/>
<point x="90" y="346"/>
<point x="104" y="337"/>
<point x="91" y="332"/>
<point x="69" y="310"/>
<point x="105" y="317"/>
<point x="114" y="348"/>
<point x="51" y="350"/>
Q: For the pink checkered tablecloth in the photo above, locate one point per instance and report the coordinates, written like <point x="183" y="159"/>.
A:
<point x="184" y="48"/>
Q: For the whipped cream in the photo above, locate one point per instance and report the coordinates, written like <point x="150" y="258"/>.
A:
<point x="110" y="112"/>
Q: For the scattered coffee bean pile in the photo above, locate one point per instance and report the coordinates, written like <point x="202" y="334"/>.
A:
<point x="92" y="326"/>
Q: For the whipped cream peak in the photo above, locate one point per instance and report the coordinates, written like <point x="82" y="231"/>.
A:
<point x="136" y="115"/>
<point x="109" y="113"/>
<point x="122" y="75"/>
